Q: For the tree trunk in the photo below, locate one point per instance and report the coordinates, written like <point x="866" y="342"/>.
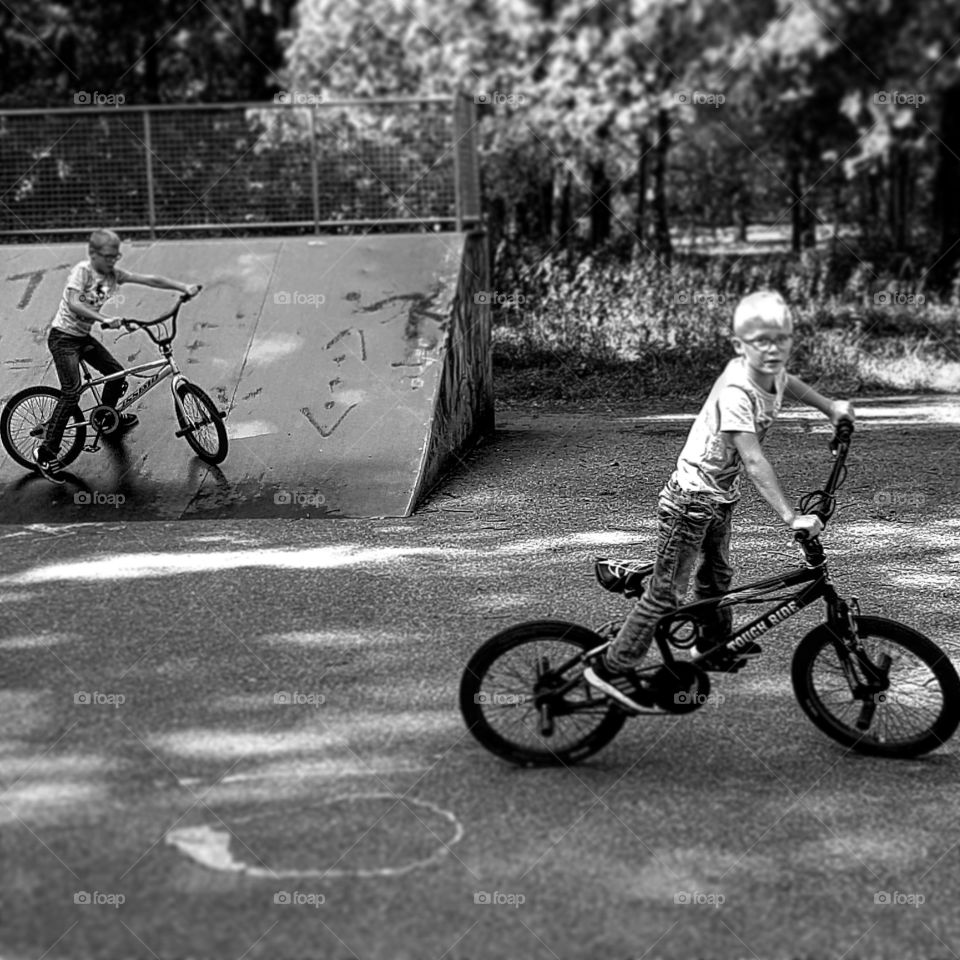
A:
<point x="640" y="226"/>
<point x="946" y="206"/>
<point x="601" y="216"/>
<point x="565" y="218"/>
<point x="661" y="221"/>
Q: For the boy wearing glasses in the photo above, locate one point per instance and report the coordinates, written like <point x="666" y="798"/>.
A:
<point x="91" y="284"/>
<point x="696" y="505"/>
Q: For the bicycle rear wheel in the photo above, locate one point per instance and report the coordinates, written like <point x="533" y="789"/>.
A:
<point x="524" y="698"/>
<point x="202" y="423"/>
<point x="24" y="418"/>
<point x="918" y="710"/>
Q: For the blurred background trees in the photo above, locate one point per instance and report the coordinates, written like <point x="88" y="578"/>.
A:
<point x="636" y="123"/>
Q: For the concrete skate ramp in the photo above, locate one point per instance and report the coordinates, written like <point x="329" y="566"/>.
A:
<point x="350" y="368"/>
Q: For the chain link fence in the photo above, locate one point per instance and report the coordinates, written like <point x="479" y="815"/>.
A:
<point x="295" y="165"/>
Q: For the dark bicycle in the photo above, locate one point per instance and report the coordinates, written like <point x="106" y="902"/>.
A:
<point x="872" y="684"/>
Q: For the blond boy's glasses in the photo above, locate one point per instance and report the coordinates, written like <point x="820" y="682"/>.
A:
<point x="768" y="343"/>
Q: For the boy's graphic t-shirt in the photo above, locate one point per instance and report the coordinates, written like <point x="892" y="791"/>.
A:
<point x="709" y="462"/>
<point x="94" y="290"/>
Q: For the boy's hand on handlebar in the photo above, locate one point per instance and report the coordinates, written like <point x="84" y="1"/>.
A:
<point x="192" y="290"/>
<point x="841" y="410"/>
<point x="807" y="524"/>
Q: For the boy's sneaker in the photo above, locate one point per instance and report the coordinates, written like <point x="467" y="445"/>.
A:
<point x="627" y="689"/>
<point x="127" y="422"/>
<point x="49" y="467"/>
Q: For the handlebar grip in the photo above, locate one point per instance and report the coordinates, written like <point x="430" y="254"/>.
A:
<point x="844" y="431"/>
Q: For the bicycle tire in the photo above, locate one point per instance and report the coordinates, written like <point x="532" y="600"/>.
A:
<point x="919" y="666"/>
<point x="26" y="412"/>
<point x="208" y="436"/>
<point x="506" y="720"/>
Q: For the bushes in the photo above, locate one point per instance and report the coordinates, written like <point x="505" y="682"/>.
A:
<point x="561" y="319"/>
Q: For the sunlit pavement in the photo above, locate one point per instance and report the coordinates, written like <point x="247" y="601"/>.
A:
<point x="226" y="739"/>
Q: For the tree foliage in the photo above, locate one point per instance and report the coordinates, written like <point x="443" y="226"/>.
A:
<point x="599" y="118"/>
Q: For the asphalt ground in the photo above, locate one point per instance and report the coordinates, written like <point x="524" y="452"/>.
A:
<point x="227" y="739"/>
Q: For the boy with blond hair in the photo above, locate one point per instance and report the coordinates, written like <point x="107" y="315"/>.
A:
<point x="696" y="505"/>
<point x="91" y="283"/>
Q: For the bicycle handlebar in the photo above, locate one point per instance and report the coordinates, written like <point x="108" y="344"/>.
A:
<point x="822" y="503"/>
<point x="131" y="323"/>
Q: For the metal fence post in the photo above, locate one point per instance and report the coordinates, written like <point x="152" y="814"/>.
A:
<point x="314" y="173"/>
<point x="457" y="180"/>
<point x="148" y="149"/>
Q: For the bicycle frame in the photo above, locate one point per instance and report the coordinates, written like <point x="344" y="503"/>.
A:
<point x="814" y="582"/>
<point x="167" y="367"/>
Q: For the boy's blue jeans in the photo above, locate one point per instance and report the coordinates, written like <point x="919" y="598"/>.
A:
<point x="689" y="525"/>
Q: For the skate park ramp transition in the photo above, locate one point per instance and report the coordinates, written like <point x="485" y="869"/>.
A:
<point x="351" y="370"/>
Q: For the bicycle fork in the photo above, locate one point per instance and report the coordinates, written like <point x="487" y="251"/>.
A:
<point x="876" y="676"/>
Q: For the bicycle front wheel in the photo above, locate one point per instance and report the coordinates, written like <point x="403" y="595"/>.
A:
<point x="910" y="705"/>
<point x="24" y="420"/>
<point x="524" y="698"/>
<point x="201" y="424"/>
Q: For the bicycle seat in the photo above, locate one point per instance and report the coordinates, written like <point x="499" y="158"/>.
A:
<point x="622" y="576"/>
